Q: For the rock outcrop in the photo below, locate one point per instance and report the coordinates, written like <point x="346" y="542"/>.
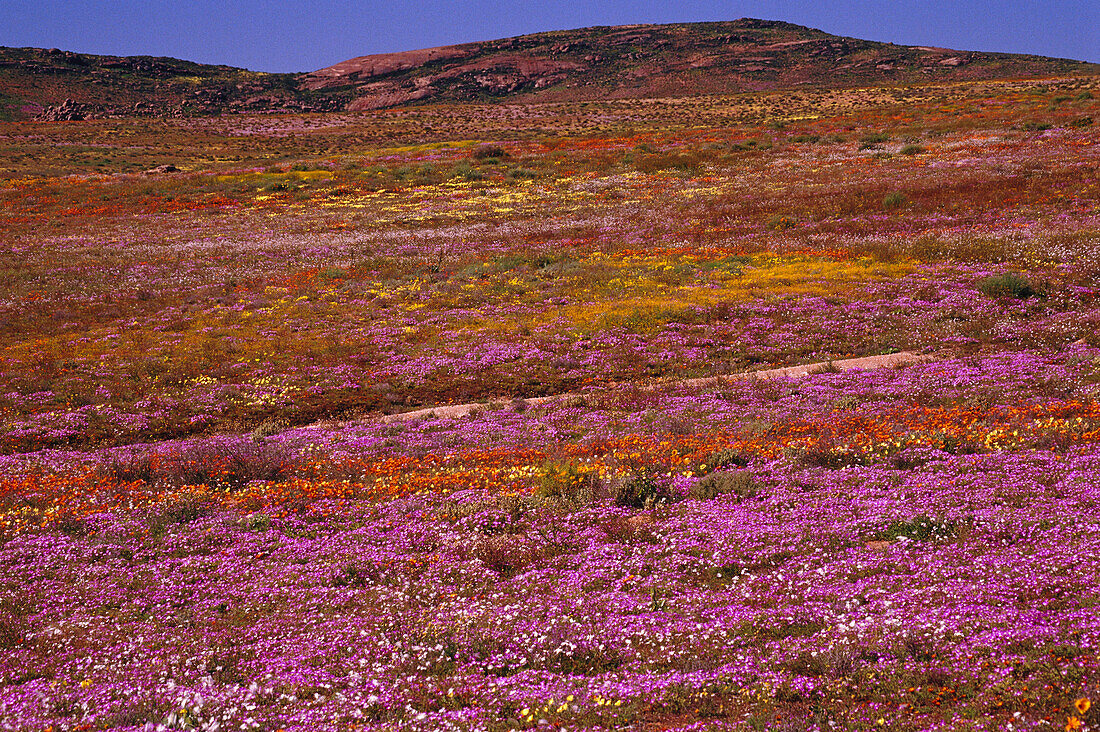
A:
<point x="68" y="110"/>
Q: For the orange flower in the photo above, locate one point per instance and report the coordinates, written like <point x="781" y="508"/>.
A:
<point x="1072" y="724"/>
<point x="1082" y="704"/>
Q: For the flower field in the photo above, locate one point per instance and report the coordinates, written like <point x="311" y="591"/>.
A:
<point x="213" y="516"/>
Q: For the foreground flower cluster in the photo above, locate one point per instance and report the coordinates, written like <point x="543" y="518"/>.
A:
<point x="827" y="584"/>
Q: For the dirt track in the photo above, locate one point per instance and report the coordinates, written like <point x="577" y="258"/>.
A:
<point x="848" y="364"/>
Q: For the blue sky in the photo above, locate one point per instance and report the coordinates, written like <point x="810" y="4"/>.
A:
<point x="295" y="35"/>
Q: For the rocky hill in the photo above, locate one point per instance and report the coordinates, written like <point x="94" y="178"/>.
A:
<point x="637" y="61"/>
<point x="61" y="85"/>
<point x="642" y="61"/>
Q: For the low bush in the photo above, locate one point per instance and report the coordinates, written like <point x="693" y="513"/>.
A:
<point x="739" y="483"/>
<point x="489" y="152"/>
<point x="725" y="459"/>
<point x="465" y="171"/>
<point x="682" y="162"/>
<point x="894" y="200"/>
<point x="180" y="509"/>
<point x="1010" y="284"/>
<point x="829" y="456"/>
<point x="780" y="222"/>
<point x="920" y="528"/>
<point x="215" y="464"/>
<point x="643" y="490"/>
<point x="872" y="140"/>
<point x="570" y="482"/>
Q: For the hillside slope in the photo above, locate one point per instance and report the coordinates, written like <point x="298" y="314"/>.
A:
<point x="587" y="64"/>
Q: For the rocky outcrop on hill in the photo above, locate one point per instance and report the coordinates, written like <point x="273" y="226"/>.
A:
<point x="653" y="61"/>
<point x="66" y="111"/>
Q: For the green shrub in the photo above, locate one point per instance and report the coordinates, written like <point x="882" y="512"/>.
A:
<point x="894" y="200"/>
<point x="872" y="140"/>
<point x="467" y="172"/>
<point x="912" y="150"/>
<point x="1010" y="284"/>
<point x="642" y="490"/>
<point x="920" y="528"/>
<point x="330" y="274"/>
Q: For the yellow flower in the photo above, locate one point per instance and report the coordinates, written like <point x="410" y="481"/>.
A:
<point x="1082" y="705"/>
